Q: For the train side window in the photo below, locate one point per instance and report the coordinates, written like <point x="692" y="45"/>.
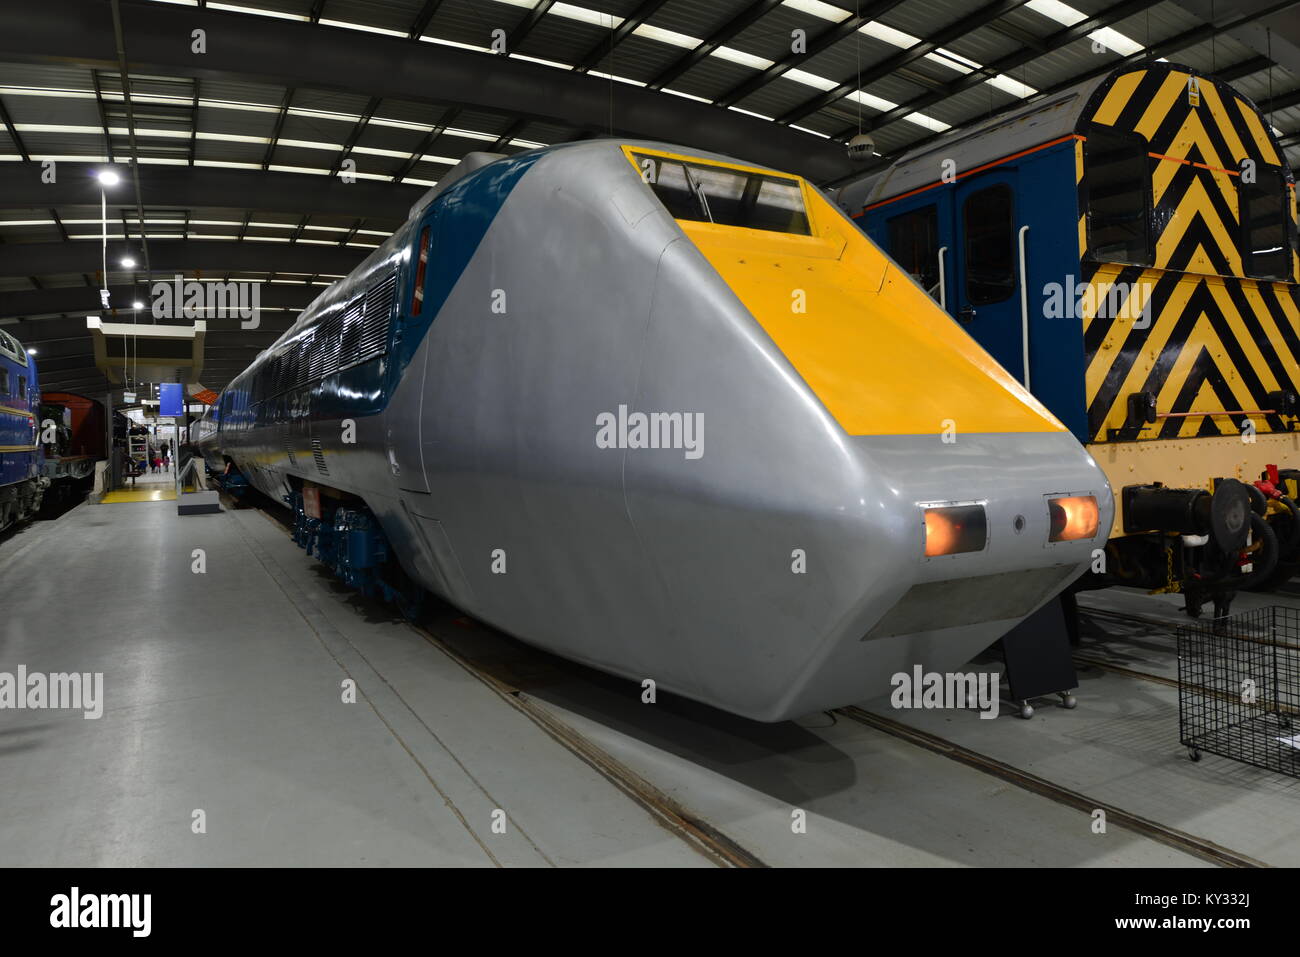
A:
<point x="1262" y="208"/>
<point x="914" y="244"/>
<point x="1118" y="180"/>
<point x="990" y="263"/>
<point x="417" y="292"/>
<point x="4" y="381"/>
<point x="22" y="387"/>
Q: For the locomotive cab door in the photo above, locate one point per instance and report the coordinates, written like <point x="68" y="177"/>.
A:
<point x="404" y="420"/>
<point x="985" y="293"/>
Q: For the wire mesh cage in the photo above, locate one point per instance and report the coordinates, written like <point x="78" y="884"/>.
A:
<point x="1239" y="688"/>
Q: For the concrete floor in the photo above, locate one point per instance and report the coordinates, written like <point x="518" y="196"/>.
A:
<point x="224" y="694"/>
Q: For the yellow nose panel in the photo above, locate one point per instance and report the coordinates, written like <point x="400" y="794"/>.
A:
<point x="878" y="352"/>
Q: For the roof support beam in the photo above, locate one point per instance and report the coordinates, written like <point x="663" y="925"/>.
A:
<point x="206" y="186"/>
<point x="426" y="144"/>
<point x="84" y="300"/>
<point x="525" y="26"/>
<point x="640" y="15"/>
<point x="183" y="256"/>
<point x="721" y="37"/>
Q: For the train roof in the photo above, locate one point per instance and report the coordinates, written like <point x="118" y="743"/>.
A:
<point x="1002" y="135"/>
<point x="12" y="349"/>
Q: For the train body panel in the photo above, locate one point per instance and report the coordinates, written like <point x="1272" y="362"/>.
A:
<point x="78" y="441"/>
<point x="22" y="483"/>
<point x="754" y="557"/>
<point x="1135" y="238"/>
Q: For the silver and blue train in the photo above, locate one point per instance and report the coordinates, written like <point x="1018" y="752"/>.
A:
<point x="670" y="415"/>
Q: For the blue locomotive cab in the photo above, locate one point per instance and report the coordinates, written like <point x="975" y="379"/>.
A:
<point x="988" y="244"/>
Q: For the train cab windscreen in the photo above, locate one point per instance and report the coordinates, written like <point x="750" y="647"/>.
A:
<point x="704" y="193"/>
<point x="1263" y="220"/>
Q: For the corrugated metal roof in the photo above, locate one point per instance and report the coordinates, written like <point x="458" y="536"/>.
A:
<point x="640" y="59"/>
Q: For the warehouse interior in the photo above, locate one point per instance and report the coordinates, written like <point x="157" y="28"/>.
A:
<point x="285" y="601"/>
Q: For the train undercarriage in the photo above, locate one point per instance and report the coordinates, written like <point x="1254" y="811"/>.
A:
<point x="1206" y="545"/>
<point x="21" y="500"/>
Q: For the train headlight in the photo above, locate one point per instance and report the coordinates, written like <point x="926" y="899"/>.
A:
<point x="1073" y="517"/>
<point x="952" y="529"/>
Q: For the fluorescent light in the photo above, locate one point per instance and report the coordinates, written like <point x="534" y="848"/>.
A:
<point x="226" y="164"/>
<point x="687" y="96"/>
<point x="1008" y="84"/>
<point x="453" y="43"/>
<point x="928" y="122"/>
<point x="817" y="9"/>
<point x="619" y="79"/>
<point x="889" y="35"/>
<point x="259" y="11"/>
<point x="671" y="37"/>
<point x="358" y="26"/>
<point x="571" y="12"/>
<point x="1115" y="41"/>
<point x="809" y="79"/>
<point x="804" y="129"/>
<point x="744" y="59"/>
<point x="1055" y="10"/>
<point x="539" y="60"/>
<point x="56" y="128"/>
<point x="311" y="145"/>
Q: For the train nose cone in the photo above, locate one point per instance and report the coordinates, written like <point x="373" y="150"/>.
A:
<point x="992" y="557"/>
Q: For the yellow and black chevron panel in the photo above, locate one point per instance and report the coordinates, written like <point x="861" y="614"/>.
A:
<point x="1192" y="321"/>
<point x="1211" y="344"/>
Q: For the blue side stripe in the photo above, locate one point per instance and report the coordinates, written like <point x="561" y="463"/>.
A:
<point x="464" y="213"/>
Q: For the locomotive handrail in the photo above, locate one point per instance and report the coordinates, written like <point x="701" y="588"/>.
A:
<point x="943" y="291"/>
<point x="1024" y="303"/>
<point x="1188" y="415"/>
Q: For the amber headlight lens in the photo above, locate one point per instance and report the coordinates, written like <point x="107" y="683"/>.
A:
<point x="1073" y="518"/>
<point x="951" y="529"/>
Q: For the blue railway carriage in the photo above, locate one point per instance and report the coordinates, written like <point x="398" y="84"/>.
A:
<point x="1127" y="250"/>
<point x="21" y="482"/>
